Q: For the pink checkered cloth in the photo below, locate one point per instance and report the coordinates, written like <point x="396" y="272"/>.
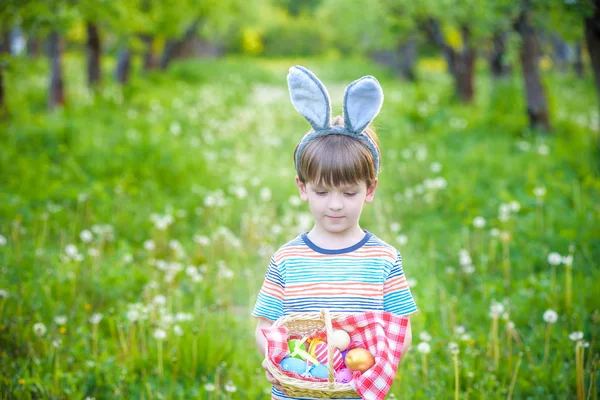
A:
<point x="382" y="333"/>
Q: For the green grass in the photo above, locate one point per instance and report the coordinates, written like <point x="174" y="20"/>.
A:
<point x="193" y="167"/>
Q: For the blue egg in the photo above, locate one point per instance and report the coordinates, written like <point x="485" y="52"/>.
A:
<point x="319" y="371"/>
<point x="293" y="365"/>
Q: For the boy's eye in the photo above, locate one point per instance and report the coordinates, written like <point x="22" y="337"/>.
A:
<point x="349" y="194"/>
<point x="321" y="193"/>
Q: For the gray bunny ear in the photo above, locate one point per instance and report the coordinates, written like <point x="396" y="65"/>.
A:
<point x="362" y="101"/>
<point x="309" y="97"/>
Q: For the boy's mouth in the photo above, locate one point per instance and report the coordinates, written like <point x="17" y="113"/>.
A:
<point x="329" y="216"/>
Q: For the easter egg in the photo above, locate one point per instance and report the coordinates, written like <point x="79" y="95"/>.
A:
<point x="319" y="371"/>
<point x="322" y="354"/>
<point x="359" y="360"/>
<point x="340" y="339"/>
<point x="293" y="365"/>
<point x="344" y="375"/>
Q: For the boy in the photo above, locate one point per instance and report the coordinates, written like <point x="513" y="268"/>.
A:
<point x="336" y="265"/>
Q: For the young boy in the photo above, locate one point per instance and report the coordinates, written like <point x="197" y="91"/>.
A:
<point x="337" y="265"/>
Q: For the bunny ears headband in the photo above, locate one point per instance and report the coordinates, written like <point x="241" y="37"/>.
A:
<point x="362" y="101"/>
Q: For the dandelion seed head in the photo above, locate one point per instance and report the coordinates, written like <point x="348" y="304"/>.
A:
<point x="160" y="334"/>
<point x="575" y="336"/>
<point x="550" y="316"/>
<point x="554" y="258"/>
<point x="39" y="329"/>
<point x="425" y="336"/>
<point x="60" y="319"/>
<point x="424" y="347"/>
<point x="95" y="318"/>
<point x="479" y="222"/>
<point x="86" y="236"/>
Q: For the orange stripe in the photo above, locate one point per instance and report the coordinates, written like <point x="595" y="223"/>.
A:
<point x="395" y="284"/>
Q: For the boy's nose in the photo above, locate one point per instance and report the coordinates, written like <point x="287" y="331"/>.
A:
<point x="336" y="204"/>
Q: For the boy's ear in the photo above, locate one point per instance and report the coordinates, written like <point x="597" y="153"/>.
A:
<point x="371" y="191"/>
<point x="301" y="189"/>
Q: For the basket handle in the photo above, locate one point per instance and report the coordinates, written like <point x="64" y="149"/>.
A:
<point x="327" y="318"/>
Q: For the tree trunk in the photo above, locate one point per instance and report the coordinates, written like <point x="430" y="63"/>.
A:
<point x="176" y="47"/>
<point x="560" y="52"/>
<point x="592" y="40"/>
<point x="461" y="62"/>
<point x="123" y="65"/>
<point x="4" y="51"/>
<point x="537" y="105"/>
<point x="407" y="54"/>
<point x="56" y="95"/>
<point x="401" y="60"/>
<point x="148" y="60"/>
<point x="33" y="47"/>
<point x="578" y="62"/>
<point x="496" y="60"/>
<point x="465" y="65"/>
<point x="93" y="54"/>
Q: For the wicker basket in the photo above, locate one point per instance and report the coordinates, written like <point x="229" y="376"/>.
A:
<point x="305" y="324"/>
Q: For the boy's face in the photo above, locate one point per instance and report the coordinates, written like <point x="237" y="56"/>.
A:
<point x="336" y="209"/>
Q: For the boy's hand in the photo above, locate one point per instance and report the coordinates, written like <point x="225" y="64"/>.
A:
<point x="271" y="378"/>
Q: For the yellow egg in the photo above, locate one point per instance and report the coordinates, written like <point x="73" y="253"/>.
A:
<point x="359" y="360"/>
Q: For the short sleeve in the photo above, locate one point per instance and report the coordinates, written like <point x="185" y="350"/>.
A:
<point x="397" y="297"/>
<point x="269" y="303"/>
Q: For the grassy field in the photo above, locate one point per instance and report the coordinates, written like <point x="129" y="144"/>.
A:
<point x="136" y="226"/>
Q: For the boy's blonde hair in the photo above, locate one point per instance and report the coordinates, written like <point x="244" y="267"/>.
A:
<point x="338" y="160"/>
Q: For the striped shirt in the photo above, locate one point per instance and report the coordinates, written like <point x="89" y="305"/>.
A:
<point x="303" y="277"/>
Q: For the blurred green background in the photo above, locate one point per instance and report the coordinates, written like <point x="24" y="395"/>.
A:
<point x="147" y="177"/>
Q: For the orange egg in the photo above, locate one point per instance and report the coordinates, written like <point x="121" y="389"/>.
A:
<point x="359" y="360"/>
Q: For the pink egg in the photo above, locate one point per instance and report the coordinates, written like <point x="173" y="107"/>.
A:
<point x="344" y="375"/>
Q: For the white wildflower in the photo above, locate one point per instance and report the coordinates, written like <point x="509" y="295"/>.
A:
<point x="554" y="258"/>
<point x="515" y="206"/>
<point x="424" y="336"/>
<point x="550" y="316"/>
<point x="543" y="149"/>
<point x="496" y="309"/>
<point x="424" y="348"/>
<point x="149" y="245"/>
<point x="71" y="251"/>
<point x="265" y="194"/>
<point x="230" y="387"/>
<point x="394" y="227"/>
<point x="160" y="300"/>
<point x="177" y="330"/>
<point x="86" y="236"/>
<point x="402" y="240"/>
<point x="435" y="167"/>
<point x="539" y="191"/>
<point x="575" y="336"/>
<point x="202" y="240"/>
<point x="39" y="329"/>
<point x="3" y="294"/>
<point x="60" y="319"/>
<point x="209" y="387"/>
<point x="95" y="318"/>
<point x="479" y="222"/>
<point x="2" y="240"/>
<point x="295" y="201"/>
<point x="453" y="347"/>
<point x="411" y="282"/>
<point x="160" y="334"/>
